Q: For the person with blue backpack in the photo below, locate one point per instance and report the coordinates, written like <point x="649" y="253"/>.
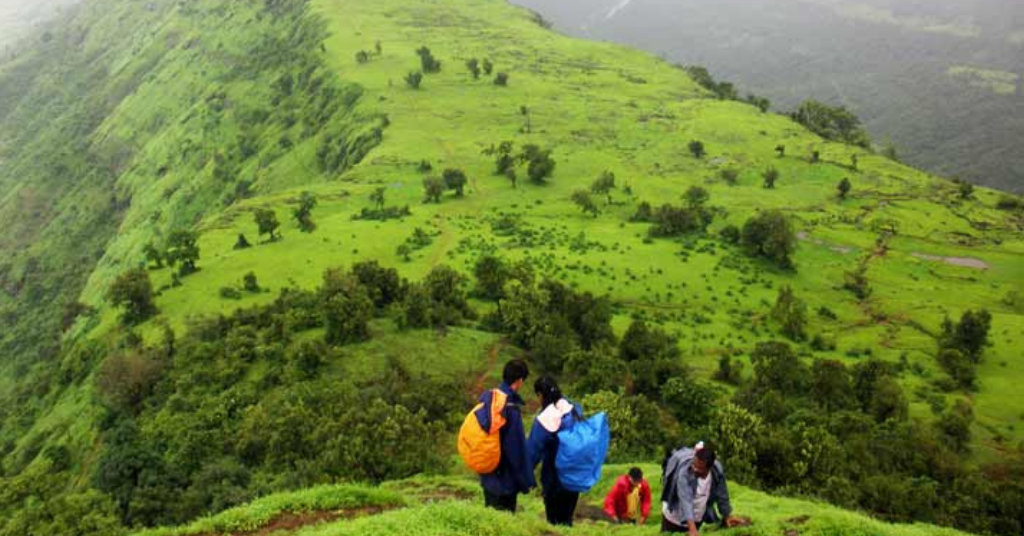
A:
<point x="572" y="450"/>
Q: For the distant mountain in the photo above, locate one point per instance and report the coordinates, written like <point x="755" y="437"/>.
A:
<point x="940" y="79"/>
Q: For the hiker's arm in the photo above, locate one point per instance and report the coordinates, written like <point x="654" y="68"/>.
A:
<point x="610" y="500"/>
<point x="516" y="451"/>
<point x="722" y="495"/>
<point x="645" y="501"/>
<point x="536" y="444"/>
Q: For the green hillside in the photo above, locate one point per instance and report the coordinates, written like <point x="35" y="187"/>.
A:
<point x="138" y="149"/>
<point x="450" y="506"/>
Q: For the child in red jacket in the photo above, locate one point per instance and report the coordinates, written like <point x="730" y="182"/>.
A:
<point x="629" y="500"/>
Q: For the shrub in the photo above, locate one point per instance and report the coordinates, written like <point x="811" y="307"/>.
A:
<point x="428" y="62"/>
<point x="133" y="291"/>
<point x="413" y="79"/>
<point x="501" y="79"/>
<point x="697" y="149"/>
<point x="770" y="234"/>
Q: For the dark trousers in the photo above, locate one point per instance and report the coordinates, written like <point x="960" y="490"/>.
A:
<point x="505" y="503"/>
<point x="668" y="526"/>
<point x="560" y="506"/>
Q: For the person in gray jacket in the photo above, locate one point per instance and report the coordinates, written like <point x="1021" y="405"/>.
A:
<point x="694" y="486"/>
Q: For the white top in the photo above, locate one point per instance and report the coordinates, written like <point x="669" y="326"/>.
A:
<point x="551" y="417"/>
<point x="700" y="499"/>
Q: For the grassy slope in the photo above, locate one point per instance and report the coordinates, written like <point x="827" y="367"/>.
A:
<point x="451" y="506"/>
<point x="606" y="107"/>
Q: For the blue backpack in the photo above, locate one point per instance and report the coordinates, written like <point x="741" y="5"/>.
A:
<point x="581" y="452"/>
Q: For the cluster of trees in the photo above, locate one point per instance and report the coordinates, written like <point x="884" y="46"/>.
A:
<point x="831" y="122"/>
<point x="540" y="165"/>
<point x="241" y="406"/>
<point x="452" y="179"/>
<point x="722" y="89"/>
<point x="179" y="250"/>
<point x="380" y="211"/>
<point x="961" y="345"/>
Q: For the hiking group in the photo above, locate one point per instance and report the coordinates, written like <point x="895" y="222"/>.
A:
<point x="571" y="450"/>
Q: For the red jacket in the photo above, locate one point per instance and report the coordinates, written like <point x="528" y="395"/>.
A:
<point x="615" y="503"/>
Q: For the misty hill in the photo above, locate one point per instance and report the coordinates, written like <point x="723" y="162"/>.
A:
<point x="939" y="79"/>
<point x="253" y="247"/>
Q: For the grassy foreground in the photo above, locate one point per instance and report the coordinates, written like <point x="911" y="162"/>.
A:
<point x="427" y="506"/>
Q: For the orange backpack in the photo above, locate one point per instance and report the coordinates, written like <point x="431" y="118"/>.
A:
<point x="479" y="448"/>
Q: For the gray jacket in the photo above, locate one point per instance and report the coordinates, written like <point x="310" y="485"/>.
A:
<point x="680" y="486"/>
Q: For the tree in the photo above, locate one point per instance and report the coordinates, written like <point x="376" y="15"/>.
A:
<point x="770" y="176"/>
<point x="242" y="242"/>
<point x="854" y="161"/>
<point x="455" y="179"/>
<point x="413" y="79"/>
<point x="133" y="291"/>
<point x="378" y="48"/>
<point x="791" y="313"/>
<point x="384" y="285"/>
<point x="965" y="190"/>
<point x="182" y="250"/>
<point x="781" y="149"/>
<point x="696" y="197"/>
<point x="362" y="56"/>
<point x="434" y="189"/>
<point x="378" y="197"/>
<point x="770" y="234"/>
<point x="969" y="335"/>
<point x="540" y="165"/>
<point x="347" y="308"/>
<point x="153" y="255"/>
<point x="959" y="367"/>
<point x="697" y="149"/>
<point x="501" y="79"/>
<point x="266" y="222"/>
<point x="955" y="425"/>
<point x="586" y="204"/>
<point x="604" y="185"/>
<point x="844" y="187"/>
<point x="428" y="62"/>
<point x="778" y="368"/>
<point x="488" y="67"/>
<point x="831" y="386"/>
<point x="729" y="176"/>
<point x="857" y="282"/>
<point x="730" y="234"/>
<point x="474" y="67"/>
<point x="492" y="272"/>
<point x="303" y="213"/>
<point x="249" y="282"/>
<point x="815" y="156"/>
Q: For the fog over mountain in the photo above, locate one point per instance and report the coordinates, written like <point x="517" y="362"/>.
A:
<point x="941" y="78"/>
<point x="18" y="17"/>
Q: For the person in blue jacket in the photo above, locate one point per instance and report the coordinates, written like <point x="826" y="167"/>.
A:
<point x="514" y="474"/>
<point x="556" y="413"/>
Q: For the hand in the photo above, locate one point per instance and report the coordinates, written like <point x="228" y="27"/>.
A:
<point x="642" y="521"/>
<point x="731" y="522"/>
<point x="693" y="528"/>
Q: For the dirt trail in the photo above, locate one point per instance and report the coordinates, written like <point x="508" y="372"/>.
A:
<point x="480" y="383"/>
<point x="287" y="522"/>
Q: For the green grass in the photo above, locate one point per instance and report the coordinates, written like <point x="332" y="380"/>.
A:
<point x="259" y="513"/>
<point x="453" y="506"/>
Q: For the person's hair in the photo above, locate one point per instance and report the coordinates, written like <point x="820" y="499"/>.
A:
<point x="547" y="389"/>
<point x="706" y="455"/>
<point x="515" y="370"/>
<point x="636" y="474"/>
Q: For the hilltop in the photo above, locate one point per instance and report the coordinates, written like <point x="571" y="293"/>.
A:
<point x="450" y="505"/>
<point x="147" y="154"/>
